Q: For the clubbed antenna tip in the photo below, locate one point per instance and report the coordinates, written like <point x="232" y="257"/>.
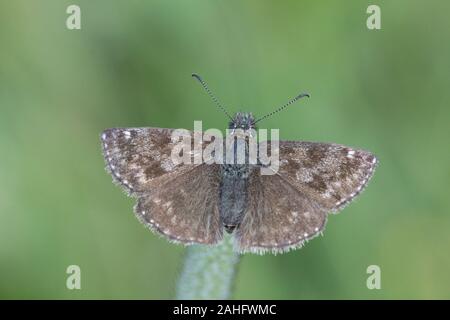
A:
<point x="205" y="86"/>
<point x="283" y="106"/>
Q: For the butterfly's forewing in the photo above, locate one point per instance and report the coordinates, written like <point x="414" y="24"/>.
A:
<point x="177" y="200"/>
<point x="138" y="158"/>
<point x="278" y="216"/>
<point x="332" y="174"/>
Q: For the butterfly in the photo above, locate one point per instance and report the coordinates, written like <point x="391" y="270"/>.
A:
<point x="195" y="203"/>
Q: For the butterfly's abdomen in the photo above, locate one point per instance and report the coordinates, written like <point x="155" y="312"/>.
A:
<point x="233" y="195"/>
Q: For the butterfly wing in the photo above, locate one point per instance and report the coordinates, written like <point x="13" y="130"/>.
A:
<point x="278" y="216"/>
<point x="332" y="174"/>
<point x="138" y="158"/>
<point x="291" y="206"/>
<point x="178" y="200"/>
<point x="185" y="209"/>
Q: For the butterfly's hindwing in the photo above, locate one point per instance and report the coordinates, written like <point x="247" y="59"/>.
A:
<point x="278" y="216"/>
<point x="185" y="209"/>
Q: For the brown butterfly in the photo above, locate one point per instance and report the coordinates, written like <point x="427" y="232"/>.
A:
<point x="195" y="203"/>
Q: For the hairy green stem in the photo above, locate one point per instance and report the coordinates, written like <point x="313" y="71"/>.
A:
<point x="208" y="272"/>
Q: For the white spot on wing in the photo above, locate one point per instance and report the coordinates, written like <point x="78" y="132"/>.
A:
<point x="168" y="204"/>
<point x="327" y="195"/>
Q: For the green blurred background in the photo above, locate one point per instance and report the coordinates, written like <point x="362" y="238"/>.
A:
<point x="386" y="91"/>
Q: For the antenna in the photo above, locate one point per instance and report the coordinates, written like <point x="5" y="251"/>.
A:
<point x="205" y="86"/>
<point x="284" y="106"/>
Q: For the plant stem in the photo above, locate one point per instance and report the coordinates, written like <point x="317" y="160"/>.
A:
<point x="208" y="272"/>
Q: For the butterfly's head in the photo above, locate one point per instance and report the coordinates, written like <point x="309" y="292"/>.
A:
<point x="242" y="120"/>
